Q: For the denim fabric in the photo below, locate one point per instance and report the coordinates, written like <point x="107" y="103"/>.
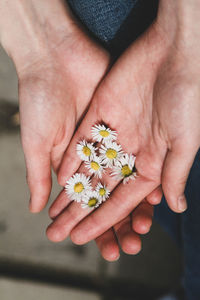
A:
<point x="117" y="23"/>
<point x="169" y="297"/>
<point x="185" y="230"/>
<point x="110" y="13"/>
<point x="190" y="232"/>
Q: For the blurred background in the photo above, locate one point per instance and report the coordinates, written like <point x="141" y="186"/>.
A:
<point x="31" y="267"/>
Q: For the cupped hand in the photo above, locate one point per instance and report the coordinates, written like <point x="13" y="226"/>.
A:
<point x="151" y="97"/>
<point x="125" y="235"/>
<point x="59" y="68"/>
<point x="54" y="93"/>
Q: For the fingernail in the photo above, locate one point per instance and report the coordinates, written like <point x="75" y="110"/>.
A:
<point x="182" y="203"/>
<point x="113" y="258"/>
<point x="33" y="208"/>
<point x="118" y="257"/>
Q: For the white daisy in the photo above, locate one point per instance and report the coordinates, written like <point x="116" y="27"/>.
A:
<point x="77" y="186"/>
<point x="85" y="150"/>
<point x="110" y="153"/>
<point x="95" y="166"/>
<point x="91" y="200"/>
<point x="102" y="191"/>
<point x="101" y="133"/>
<point x="125" y="168"/>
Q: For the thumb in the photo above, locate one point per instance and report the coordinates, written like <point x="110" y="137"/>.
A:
<point x="38" y="177"/>
<point x="176" y="169"/>
<point x="36" y="140"/>
<point x="71" y="161"/>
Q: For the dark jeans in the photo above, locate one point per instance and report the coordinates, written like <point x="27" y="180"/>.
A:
<point x="117" y="23"/>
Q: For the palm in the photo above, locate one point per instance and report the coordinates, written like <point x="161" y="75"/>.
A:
<point x="134" y="100"/>
<point x="132" y="120"/>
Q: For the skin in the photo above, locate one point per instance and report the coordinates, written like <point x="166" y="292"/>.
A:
<point x="59" y="92"/>
<point x="124" y="234"/>
<point x="156" y="91"/>
<point x="59" y="68"/>
<point x="46" y="45"/>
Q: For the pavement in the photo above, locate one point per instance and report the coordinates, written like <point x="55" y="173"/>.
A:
<point x="15" y="289"/>
<point x="31" y="267"/>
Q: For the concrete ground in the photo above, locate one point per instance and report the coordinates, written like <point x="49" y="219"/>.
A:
<point x="15" y="289"/>
<point x="30" y="265"/>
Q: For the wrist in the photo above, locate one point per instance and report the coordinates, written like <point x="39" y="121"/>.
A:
<point x="30" y="29"/>
<point x="180" y="22"/>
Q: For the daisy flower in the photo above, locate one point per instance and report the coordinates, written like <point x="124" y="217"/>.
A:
<point x="125" y="168"/>
<point x="77" y="186"/>
<point x="85" y="150"/>
<point x="91" y="200"/>
<point x="110" y="153"/>
<point x="101" y="133"/>
<point x="102" y="191"/>
<point x="94" y="166"/>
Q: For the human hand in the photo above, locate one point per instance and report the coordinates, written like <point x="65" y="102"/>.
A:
<point x="156" y="81"/>
<point x="58" y="67"/>
<point x="100" y="109"/>
<point x="125" y="234"/>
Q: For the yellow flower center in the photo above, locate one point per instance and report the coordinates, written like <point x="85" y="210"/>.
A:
<point x="102" y="192"/>
<point x="126" y="171"/>
<point x="78" y="187"/>
<point x="95" y="166"/>
<point x="92" y="202"/>
<point x="104" y="133"/>
<point x="111" y="153"/>
<point x="86" y="151"/>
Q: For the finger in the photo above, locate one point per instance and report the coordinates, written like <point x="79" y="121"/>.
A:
<point x="108" y="245"/>
<point x="71" y="160"/>
<point x="61" y="227"/>
<point x="155" y="196"/>
<point x="38" y="176"/>
<point x="61" y="202"/>
<point x="129" y="240"/>
<point x="142" y="217"/>
<point x="122" y="201"/>
<point x="60" y="145"/>
<point x="176" y="169"/>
